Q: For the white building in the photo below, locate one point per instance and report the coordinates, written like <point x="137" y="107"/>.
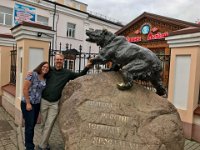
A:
<point x="69" y="23"/>
<point x="69" y="18"/>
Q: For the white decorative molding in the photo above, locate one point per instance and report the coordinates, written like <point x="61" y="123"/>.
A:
<point x="7" y="41"/>
<point x="184" y="40"/>
<point x="25" y="32"/>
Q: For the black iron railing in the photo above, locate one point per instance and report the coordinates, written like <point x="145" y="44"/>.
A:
<point x="13" y="65"/>
<point x="75" y="60"/>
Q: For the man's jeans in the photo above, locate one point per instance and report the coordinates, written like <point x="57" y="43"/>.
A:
<point x="30" y="118"/>
<point x="49" y="112"/>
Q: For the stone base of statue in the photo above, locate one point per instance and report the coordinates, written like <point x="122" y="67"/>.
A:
<point x="95" y="115"/>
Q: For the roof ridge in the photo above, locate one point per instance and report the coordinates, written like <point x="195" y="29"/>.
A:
<point x="157" y="17"/>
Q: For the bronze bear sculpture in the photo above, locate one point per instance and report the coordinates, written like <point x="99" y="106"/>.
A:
<point x="136" y="62"/>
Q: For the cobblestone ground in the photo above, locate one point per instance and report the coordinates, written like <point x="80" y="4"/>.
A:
<point x="55" y="141"/>
<point x="8" y="135"/>
<point x="191" y="145"/>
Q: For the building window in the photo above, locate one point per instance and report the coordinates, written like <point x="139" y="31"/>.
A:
<point x="42" y="20"/>
<point x="71" y="30"/>
<point x="6" y="15"/>
<point x="69" y="64"/>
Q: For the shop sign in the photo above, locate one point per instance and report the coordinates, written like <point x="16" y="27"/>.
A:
<point x="24" y="13"/>
<point x="157" y="36"/>
<point x="150" y="36"/>
<point x="149" y="31"/>
<point x="134" y="39"/>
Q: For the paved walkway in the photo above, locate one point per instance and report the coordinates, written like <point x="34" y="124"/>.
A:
<point x="191" y="145"/>
<point x="55" y="141"/>
<point x="10" y="136"/>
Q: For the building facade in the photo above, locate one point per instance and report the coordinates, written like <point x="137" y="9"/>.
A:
<point x="35" y="27"/>
<point x="68" y="18"/>
<point x="179" y="40"/>
<point x="150" y="30"/>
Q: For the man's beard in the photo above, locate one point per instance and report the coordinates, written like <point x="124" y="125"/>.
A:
<point x="59" y="66"/>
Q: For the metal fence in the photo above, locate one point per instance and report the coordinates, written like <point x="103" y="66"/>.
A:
<point x="79" y="59"/>
<point x="13" y="65"/>
<point x="165" y="62"/>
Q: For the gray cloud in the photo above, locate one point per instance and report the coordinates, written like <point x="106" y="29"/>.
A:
<point x="127" y="10"/>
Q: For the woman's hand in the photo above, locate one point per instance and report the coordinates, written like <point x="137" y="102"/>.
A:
<point x="28" y="107"/>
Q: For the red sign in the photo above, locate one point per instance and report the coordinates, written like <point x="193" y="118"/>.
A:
<point x="150" y="36"/>
<point x="134" y="39"/>
<point x="157" y="36"/>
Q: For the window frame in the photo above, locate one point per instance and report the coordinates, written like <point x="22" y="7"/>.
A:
<point x="42" y="22"/>
<point x="69" y="64"/>
<point x="71" y="31"/>
<point x="5" y="16"/>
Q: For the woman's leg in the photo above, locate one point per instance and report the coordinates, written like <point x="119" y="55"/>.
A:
<point x="29" y="126"/>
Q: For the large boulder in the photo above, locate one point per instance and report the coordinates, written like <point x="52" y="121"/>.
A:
<point x="95" y="115"/>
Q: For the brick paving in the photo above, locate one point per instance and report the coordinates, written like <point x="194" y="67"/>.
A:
<point x="8" y="135"/>
<point x="191" y="145"/>
<point x="55" y="141"/>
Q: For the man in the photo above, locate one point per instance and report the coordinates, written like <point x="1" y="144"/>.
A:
<point x="56" y="80"/>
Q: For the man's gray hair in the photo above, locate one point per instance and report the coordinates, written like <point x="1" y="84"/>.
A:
<point x="59" y="54"/>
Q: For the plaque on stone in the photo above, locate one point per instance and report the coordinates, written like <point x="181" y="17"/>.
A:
<point x="95" y="115"/>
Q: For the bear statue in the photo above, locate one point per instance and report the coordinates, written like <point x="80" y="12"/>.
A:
<point x="134" y="62"/>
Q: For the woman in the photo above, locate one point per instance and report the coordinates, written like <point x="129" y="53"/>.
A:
<point x="30" y="104"/>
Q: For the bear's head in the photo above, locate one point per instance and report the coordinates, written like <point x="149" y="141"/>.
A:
<point x="100" y="37"/>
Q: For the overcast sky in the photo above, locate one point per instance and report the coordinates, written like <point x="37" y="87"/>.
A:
<point x="127" y="10"/>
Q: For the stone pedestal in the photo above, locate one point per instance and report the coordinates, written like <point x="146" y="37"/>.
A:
<point x="95" y="115"/>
